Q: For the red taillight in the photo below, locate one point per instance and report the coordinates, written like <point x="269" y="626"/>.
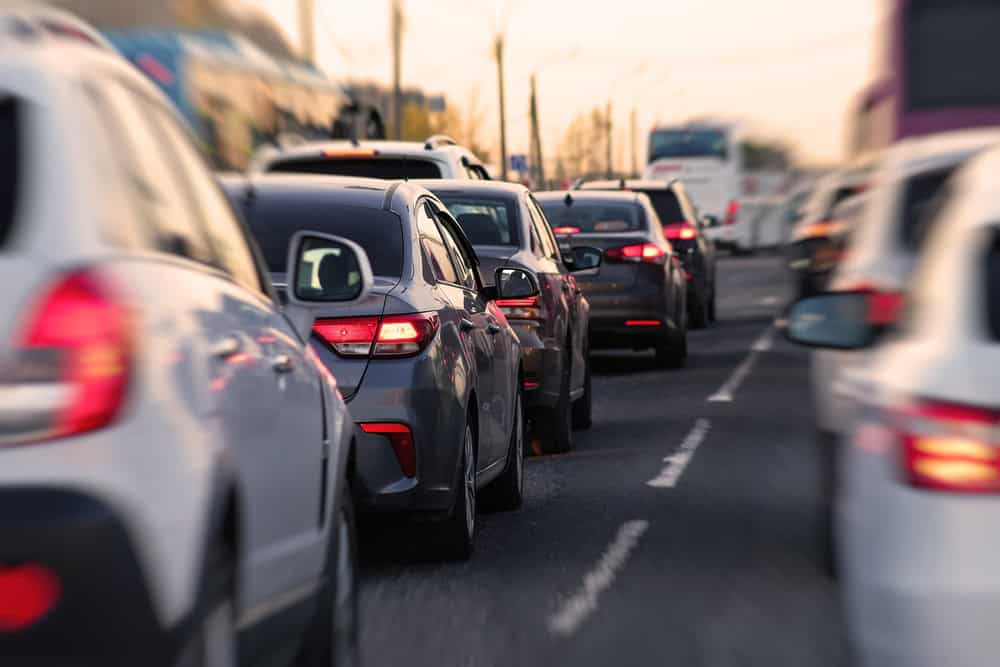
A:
<point x="949" y="447"/>
<point x="72" y="362"/>
<point x="732" y="212"/>
<point x="641" y="252"/>
<point x="565" y="231"/>
<point x="27" y="594"/>
<point x="884" y="306"/>
<point x="390" y="336"/>
<point x="401" y="438"/>
<point x="643" y="323"/>
<point x="680" y="230"/>
<point x="521" y="309"/>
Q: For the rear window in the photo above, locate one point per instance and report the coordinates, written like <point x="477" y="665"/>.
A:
<point x="920" y="204"/>
<point x="840" y="196"/>
<point x="10" y="166"/>
<point x="992" y="291"/>
<point x="594" y="217"/>
<point x="688" y="143"/>
<point x="273" y="220"/>
<point x="385" y="168"/>
<point x="485" y="220"/>
<point x="667" y="206"/>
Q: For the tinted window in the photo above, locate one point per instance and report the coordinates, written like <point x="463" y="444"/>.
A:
<point x="159" y="196"/>
<point x="224" y="231"/>
<point x="688" y="143"/>
<point x="10" y="165"/>
<point x="594" y="217"/>
<point x="840" y="196"/>
<point x="952" y="47"/>
<point x="920" y="198"/>
<point x="435" y="251"/>
<point x="462" y="267"/>
<point x="273" y="220"/>
<point x="386" y="168"/>
<point x="542" y="231"/>
<point x="993" y="288"/>
<point x="485" y="220"/>
<point x="667" y="206"/>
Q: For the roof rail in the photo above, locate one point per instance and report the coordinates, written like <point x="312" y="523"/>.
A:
<point x="35" y="21"/>
<point x="439" y="140"/>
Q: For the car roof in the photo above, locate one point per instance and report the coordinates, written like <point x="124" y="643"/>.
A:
<point x="349" y="191"/>
<point x="920" y="154"/>
<point x="630" y="184"/>
<point x="384" y="148"/>
<point x="589" y="196"/>
<point x="27" y="21"/>
<point x="471" y="187"/>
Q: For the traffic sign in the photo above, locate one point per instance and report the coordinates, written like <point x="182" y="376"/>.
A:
<point x="519" y="163"/>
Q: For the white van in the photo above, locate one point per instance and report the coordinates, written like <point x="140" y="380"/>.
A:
<point x="708" y="159"/>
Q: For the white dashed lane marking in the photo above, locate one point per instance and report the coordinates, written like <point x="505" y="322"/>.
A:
<point x="678" y="462"/>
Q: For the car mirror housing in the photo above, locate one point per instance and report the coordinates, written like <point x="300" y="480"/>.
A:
<point x="324" y="270"/>
<point x="516" y="284"/>
<point x="836" y="320"/>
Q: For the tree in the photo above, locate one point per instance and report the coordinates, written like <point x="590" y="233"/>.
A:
<point x="581" y="151"/>
<point x="464" y="127"/>
<point x="760" y="154"/>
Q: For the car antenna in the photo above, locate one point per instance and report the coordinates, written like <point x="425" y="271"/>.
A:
<point x="568" y="200"/>
<point x="621" y="184"/>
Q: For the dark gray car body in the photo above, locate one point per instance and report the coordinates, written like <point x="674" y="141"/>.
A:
<point x="561" y="335"/>
<point x="624" y="292"/>
<point x="469" y="369"/>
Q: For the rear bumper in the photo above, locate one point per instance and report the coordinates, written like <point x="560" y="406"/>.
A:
<point x="104" y="613"/>
<point x="615" y="332"/>
<point x="542" y="366"/>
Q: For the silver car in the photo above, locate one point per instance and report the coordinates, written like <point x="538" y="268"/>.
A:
<point x="428" y="363"/>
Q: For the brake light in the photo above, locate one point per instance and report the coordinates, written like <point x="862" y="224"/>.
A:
<point x="72" y="363"/>
<point x="680" y="230"/>
<point x="521" y="309"/>
<point x="349" y="153"/>
<point x="565" y="231"/>
<point x="27" y="593"/>
<point x="641" y="252"/>
<point x="948" y="447"/>
<point x="393" y="336"/>
<point x="732" y="212"/>
<point x="884" y="306"/>
<point x="643" y="323"/>
<point x="401" y="438"/>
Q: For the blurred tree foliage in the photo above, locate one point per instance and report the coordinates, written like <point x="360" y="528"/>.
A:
<point x="760" y="154"/>
<point x="582" y="150"/>
<point x="463" y="125"/>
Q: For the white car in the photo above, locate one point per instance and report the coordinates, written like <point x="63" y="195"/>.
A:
<point x="919" y="493"/>
<point x="438" y="157"/>
<point x="174" y="462"/>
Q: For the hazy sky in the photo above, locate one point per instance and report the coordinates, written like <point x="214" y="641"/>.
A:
<point x="790" y="67"/>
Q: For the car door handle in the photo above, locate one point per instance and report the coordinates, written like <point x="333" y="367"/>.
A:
<point x="227" y="348"/>
<point x="283" y="364"/>
<point x="493" y="329"/>
<point x="467" y="325"/>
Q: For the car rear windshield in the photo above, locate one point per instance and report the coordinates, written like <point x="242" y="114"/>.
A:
<point x="688" y="143"/>
<point x="667" y="206"/>
<point x="485" y="220"/>
<point x="273" y="220"/>
<point x="594" y="217"/>
<point x="10" y="166"/>
<point x="920" y="204"/>
<point x="385" y="168"/>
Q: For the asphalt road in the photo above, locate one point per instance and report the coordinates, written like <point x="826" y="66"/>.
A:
<point x="680" y="531"/>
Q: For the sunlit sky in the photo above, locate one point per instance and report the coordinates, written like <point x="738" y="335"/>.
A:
<point x="787" y="67"/>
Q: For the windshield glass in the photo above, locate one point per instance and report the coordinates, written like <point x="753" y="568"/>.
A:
<point x="485" y="220"/>
<point x="10" y="166"/>
<point x="594" y="217"/>
<point x="384" y="168"/>
<point x="688" y="143"/>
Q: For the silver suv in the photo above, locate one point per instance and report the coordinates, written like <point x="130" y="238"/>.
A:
<point x="438" y="157"/>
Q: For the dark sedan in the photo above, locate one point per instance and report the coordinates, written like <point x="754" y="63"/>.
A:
<point x="508" y="229"/>
<point x="429" y="366"/>
<point x="639" y="298"/>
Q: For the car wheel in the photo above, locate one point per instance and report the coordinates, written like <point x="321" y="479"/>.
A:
<point x="583" y="407"/>
<point x="672" y="351"/>
<point x="213" y="643"/>
<point x="458" y="531"/>
<point x="332" y="638"/>
<point x="711" y="307"/>
<point x="507" y="492"/>
<point x="557" y="426"/>
<point x="699" y="309"/>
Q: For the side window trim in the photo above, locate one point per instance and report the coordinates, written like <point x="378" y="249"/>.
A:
<point x="446" y="230"/>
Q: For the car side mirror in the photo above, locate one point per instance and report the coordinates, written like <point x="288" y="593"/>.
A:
<point x="710" y="221"/>
<point x="324" y="270"/>
<point x="516" y="284"/>
<point x="836" y="320"/>
<point x="583" y="258"/>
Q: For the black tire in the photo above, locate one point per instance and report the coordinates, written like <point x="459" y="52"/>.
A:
<point x="711" y="306"/>
<point x="457" y="533"/>
<point x="556" y="424"/>
<point x="333" y="637"/>
<point x="672" y="351"/>
<point x="506" y="494"/>
<point x="583" y="407"/>
<point x="698" y="310"/>
<point x="213" y="642"/>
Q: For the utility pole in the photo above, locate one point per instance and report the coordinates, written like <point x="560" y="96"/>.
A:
<point x="397" y="19"/>
<point x="503" y="106"/>
<point x="307" y="30"/>
<point x="635" y="156"/>
<point x="610" y="128"/>
<point x="536" y="138"/>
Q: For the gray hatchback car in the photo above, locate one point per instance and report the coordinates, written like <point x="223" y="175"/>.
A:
<point x="428" y="364"/>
